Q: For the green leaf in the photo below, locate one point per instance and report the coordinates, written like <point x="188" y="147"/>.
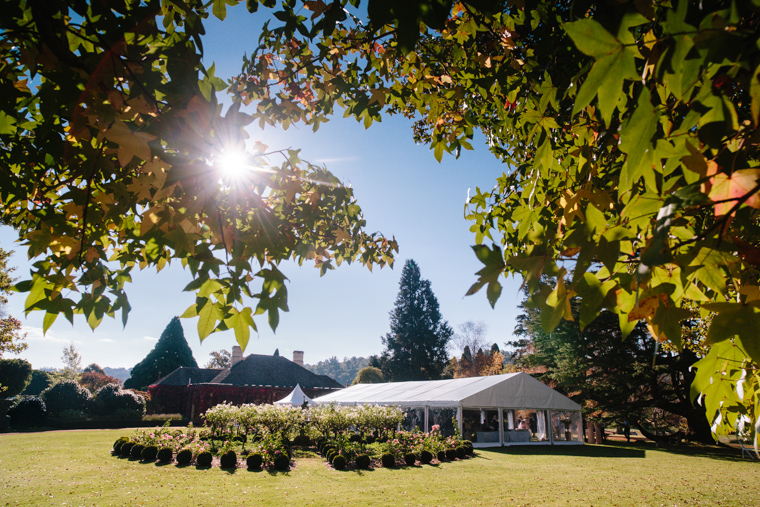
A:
<point x="736" y="319"/>
<point x="207" y="318"/>
<point x="636" y="140"/>
<point x="494" y="266"/>
<point x="594" y="296"/>
<point x="591" y="38"/>
<point x="47" y="321"/>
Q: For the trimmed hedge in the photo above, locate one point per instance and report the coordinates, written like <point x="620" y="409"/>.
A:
<point x="204" y="459"/>
<point x="126" y="448"/>
<point x="66" y="395"/>
<point x="451" y="454"/>
<point x="136" y="452"/>
<point x="119" y="442"/>
<point x="281" y="462"/>
<point x="362" y="461"/>
<point x="426" y="457"/>
<point x="165" y="455"/>
<point x="410" y="459"/>
<point x="228" y="460"/>
<point x="254" y="461"/>
<point x="28" y="413"/>
<point x="339" y="462"/>
<point x="388" y="460"/>
<point x="461" y="452"/>
<point x="184" y="457"/>
<point x="149" y="453"/>
<point x="441" y="455"/>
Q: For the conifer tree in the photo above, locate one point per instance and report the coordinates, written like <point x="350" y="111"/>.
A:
<point x="171" y="352"/>
<point x="416" y="345"/>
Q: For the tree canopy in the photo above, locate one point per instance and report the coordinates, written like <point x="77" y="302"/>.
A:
<point x="170" y="352"/>
<point x="113" y="156"/>
<point x="628" y="132"/>
<point x="369" y="375"/>
<point x="415" y="348"/>
<point x="11" y="339"/>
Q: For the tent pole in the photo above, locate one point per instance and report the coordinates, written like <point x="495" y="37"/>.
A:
<point x="501" y="426"/>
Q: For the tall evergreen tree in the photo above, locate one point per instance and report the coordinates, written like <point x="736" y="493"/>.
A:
<point x="171" y="352"/>
<point x="416" y="345"/>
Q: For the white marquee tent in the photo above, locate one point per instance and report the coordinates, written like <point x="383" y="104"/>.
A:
<point x="296" y="398"/>
<point x="497" y="410"/>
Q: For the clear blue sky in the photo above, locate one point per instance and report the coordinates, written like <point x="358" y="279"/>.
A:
<point x="404" y="192"/>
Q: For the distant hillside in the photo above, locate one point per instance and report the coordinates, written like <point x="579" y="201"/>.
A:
<point x="343" y="371"/>
<point x="120" y="373"/>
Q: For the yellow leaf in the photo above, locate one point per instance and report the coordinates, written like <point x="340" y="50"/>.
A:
<point x="130" y="143"/>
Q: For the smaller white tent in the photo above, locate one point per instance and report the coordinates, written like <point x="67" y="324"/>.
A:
<point x="494" y="410"/>
<point x="296" y="398"/>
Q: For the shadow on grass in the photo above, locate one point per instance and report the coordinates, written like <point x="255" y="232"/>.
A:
<point x="229" y="470"/>
<point x="721" y="453"/>
<point x="274" y="471"/>
<point x="586" y="451"/>
<point x="621" y="450"/>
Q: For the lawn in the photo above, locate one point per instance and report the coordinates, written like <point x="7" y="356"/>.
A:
<point x="75" y="468"/>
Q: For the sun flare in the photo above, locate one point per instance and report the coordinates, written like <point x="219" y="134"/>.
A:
<point x="233" y="164"/>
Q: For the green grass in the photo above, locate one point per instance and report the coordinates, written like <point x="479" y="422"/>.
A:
<point x="75" y="468"/>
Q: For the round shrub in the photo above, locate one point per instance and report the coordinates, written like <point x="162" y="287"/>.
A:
<point x="15" y="375"/>
<point x="228" y="460"/>
<point x="410" y="459"/>
<point x="331" y="454"/>
<point x="119" y="442"/>
<point x="28" y="413"/>
<point x="327" y="449"/>
<point x="66" y="395"/>
<point x="204" y="459"/>
<point x="136" y="451"/>
<point x="451" y="454"/>
<point x="468" y="445"/>
<point x="339" y="462"/>
<point x="112" y="400"/>
<point x="254" y="461"/>
<point x="165" y="455"/>
<point x="126" y="448"/>
<point x="302" y="441"/>
<point x="388" y="460"/>
<point x="281" y="462"/>
<point x="461" y="452"/>
<point x="354" y="438"/>
<point x="426" y="457"/>
<point x="362" y="461"/>
<point x="184" y="457"/>
<point x="149" y="453"/>
<point x="441" y="455"/>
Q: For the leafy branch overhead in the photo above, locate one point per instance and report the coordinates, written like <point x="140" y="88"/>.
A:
<point x="629" y="133"/>
<point x="112" y="137"/>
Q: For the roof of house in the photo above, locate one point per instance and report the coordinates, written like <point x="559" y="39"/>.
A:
<point x="183" y="376"/>
<point x="253" y="370"/>
<point x="260" y="370"/>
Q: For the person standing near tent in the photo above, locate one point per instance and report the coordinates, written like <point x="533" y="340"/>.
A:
<point x="533" y="424"/>
<point x="627" y="430"/>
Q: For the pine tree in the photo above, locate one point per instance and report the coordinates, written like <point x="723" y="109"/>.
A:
<point x="171" y="352"/>
<point x="416" y="345"/>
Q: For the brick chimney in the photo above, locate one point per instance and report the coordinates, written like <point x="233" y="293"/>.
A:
<point x="237" y="355"/>
<point x="298" y="357"/>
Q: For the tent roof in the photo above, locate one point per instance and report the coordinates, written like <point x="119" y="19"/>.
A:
<point x="513" y="390"/>
<point x="295" y="398"/>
